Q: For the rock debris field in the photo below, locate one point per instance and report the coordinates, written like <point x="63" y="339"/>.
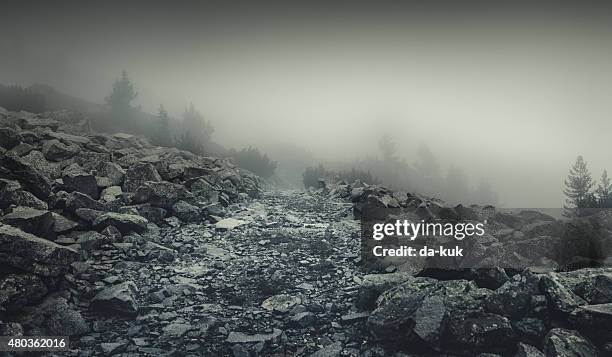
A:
<point x="137" y="250"/>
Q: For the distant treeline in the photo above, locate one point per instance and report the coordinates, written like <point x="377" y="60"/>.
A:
<point x="16" y="98"/>
<point x="192" y="132"/>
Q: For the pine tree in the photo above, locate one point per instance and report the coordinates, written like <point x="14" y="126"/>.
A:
<point x="122" y="95"/>
<point x="388" y="147"/>
<point x="578" y="186"/>
<point x="604" y="191"/>
<point x="162" y="136"/>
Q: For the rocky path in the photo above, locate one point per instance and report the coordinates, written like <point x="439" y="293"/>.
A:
<point x="282" y="282"/>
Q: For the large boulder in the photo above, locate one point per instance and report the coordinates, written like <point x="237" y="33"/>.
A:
<point x="161" y="194"/>
<point x="561" y="342"/>
<point x="11" y="193"/>
<point x="9" y="138"/>
<point x="138" y="174"/>
<point x="28" y="176"/>
<point x="114" y="172"/>
<point x="17" y="290"/>
<point x="31" y="220"/>
<point x="77" y="180"/>
<point x="54" y="150"/>
<point x="118" y="299"/>
<point x="186" y="212"/>
<point x="124" y="222"/>
<point x="33" y="254"/>
<point x="146" y="210"/>
<point x="375" y="284"/>
<point x="35" y="158"/>
<point x="55" y="317"/>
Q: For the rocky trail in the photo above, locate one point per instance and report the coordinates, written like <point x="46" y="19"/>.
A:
<point x="282" y="282"/>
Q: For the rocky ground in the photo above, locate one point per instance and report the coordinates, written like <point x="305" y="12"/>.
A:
<point x="137" y="250"/>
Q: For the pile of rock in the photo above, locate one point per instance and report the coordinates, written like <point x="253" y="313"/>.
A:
<point x="65" y="193"/>
<point x="514" y="295"/>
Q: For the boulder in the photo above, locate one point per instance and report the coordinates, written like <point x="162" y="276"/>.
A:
<point x="28" y="176"/>
<point x="280" y="303"/>
<point x="118" y="299"/>
<point x="229" y="223"/>
<point x="186" y="212"/>
<point x="78" y="200"/>
<point x="52" y="170"/>
<point x="561" y="299"/>
<point x="114" y="172"/>
<point x="11" y="193"/>
<point x="375" y="284"/>
<point x="31" y="220"/>
<point x="88" y="215"/>
<point x="592" y="315"/>
<point x="560" y="342"/>
<point x="90" y="240"/>
<point x="138" y="174"/>
<point x="146" y="210"/>
<point x="62" y="224"/>
<point x="525" y="350"/>
<point x="32" y="254"/>
<point x="9" y="138"/>
<point x="77" y="180"/>
<point x="479" y="331"/>
<point x="124" y="222"/>
<point x="161" y="194"/>
<point x="18" y="290"/>
<point x="56" y="318"/>
<point x="239" y="337"/>
<point x="54" y="150"/>
<point x="111" y="193"/>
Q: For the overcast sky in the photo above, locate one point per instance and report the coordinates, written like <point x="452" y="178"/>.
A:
<point x="511" y="94"/>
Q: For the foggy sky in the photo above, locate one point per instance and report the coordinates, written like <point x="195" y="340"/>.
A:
<point x="511" y="94"/>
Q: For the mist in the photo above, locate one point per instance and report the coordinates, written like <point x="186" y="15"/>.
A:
<point x="512" y="96"/>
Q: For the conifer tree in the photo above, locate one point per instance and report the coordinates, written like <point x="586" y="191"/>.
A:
<point x="604" y="191"/>
<point x="578" y="186"/>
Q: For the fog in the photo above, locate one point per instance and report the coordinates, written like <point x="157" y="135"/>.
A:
<point x="510" y="95"/>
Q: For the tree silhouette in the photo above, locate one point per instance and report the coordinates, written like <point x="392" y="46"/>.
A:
<point x="162" y="135"/>
<point x="388" y="147"/>
<point x="578" y="186"/>
<point x="122" y="95"/>
<point x="604" y="191"/>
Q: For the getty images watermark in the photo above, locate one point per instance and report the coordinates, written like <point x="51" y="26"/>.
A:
<point x="404" y="229"/>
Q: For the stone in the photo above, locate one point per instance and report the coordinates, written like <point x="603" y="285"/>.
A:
<point x="280" y="303"/>
<point x="57" y="318"/>
<point x="51" y="170"/>
<point x="54" y="150"/>
<point x="478" y="330"/>
<point x="12" y="194"/>
<point x="18" y="290"/>
<point x="429" y="319"/>
<point x="9" y="138"/>
<point x="598" y="290"/>
<point x="88" y="215"/>
<point x="331" y="350"/>
<point x="561" y="299"/>
<point x="146" y="210"/>
<point x="125" y="223"/>
<point x="75" y="179"/>
<point x="568" y="343"/>
<point x="28" y="176"/>
<point x="112" y="171"/>
<point x="239" y="337"/>
<point x="33" y="254"/>
<point x="161" y="194"/>
<point x="22" y="149"/>
<point x="375" y="284"/>
<point x="111" y="193"/>
<point x="76" y="200"/>
<point x="592" y="315"/>
<point x="118" y="299"/>
<point x="303" y="319"/>
<point x="525" y="350"/>
<point x="62" y="224"/>
<point x="138" y="174"/>
<point x="176" y="329"/>
<point x="31" y="220"/>
<point x="91" y="240"/>
<point x="186" y="212"/>
<point x="229" y="223"/>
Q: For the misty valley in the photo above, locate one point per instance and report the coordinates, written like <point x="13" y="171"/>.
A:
<point x="246" y="179"/>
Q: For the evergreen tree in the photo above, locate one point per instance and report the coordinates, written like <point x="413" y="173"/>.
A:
<point x="604" y="191"/>
<point x="122" y="95"/>
<point x="578" y="186"/>
<point x="388" y="147"/>
<point x="197" y="130"/>
<point x="162" y="135"/>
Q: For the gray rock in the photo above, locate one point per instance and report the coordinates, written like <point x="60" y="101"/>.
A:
<point x="11" y="193"/>
<point x="161" y="194"/>
<point x="429" y="319"/>
<point x="592" y="315"/>
<point x="30" y="220"/>
<point x="28" y="176"/>
<point x="57" y="318"/>
<point x="138" y="174"/>
<point x="331" y="350"/>
<point x="75" y="179"/>
<point x="114" y="172"/>
<point x="375" y="284"/>
<point x="54" y="150"/>
<point x="125" y="223"/>
<point x="62" y="224"/>
<point x="88" y="215"/>
<point x="118" y="299"/>
<point x="9" y="138"/>
<point x="30" y="253"/>
<point x="477" y="331"/>
<point x="78" y="200"/>
<point x="560" y="298"/>
<point x="525" y="350"/>
<point x="52" y="170"/>
<point x="280" y="303"/>
<point x="186" y="212"/>
<point x="111" y="193"/>
<point x="18" y="290"/>
<point x="90" y="240"/>
<point x="561" y="342"/>
<point x="239" y="337"/>
<point x="229" y="223"/>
